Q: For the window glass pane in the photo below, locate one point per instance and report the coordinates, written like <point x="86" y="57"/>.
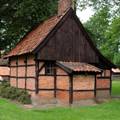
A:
<point x="49" y="69"/>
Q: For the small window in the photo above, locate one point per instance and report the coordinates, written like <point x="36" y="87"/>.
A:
<point x="103" y="74"/>
<point x="49" y="68"/>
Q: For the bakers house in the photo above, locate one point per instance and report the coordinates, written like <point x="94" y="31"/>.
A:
<point x="57" y="60"/>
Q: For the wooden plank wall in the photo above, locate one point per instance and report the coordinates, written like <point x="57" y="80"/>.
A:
<point x="69" y="44"/>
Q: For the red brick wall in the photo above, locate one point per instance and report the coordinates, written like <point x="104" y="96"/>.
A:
<point x="31" y="71"/>
<point x="13" y="72"/>
<point x="63" y="96"/>
<point x="13" y="82"/>
<point x="103" y="94"/>
<point x="63" y="6"/>
<point x="21" y="83"/>
<point x="30" y="82"/>
<point x="83" y="95"/>
<point x="46" y="82"/>
<point x="103" y="84"/>
<point x="21" y="71"/>
<point x="63" y="82"/>
<point x="46" y="95"/>
<point x="60" y="71"/>
<point x="82" y="82"/>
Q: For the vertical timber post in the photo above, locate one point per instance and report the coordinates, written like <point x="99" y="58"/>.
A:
<point x="95" y="86"/>
<point x="25" y="72"/>
<point x="37" y="74"/>
<point x="17" y="71"/>
<point x="55" y="80"/>
<point x="71" y="89"/>
<point x="9" y="65"/>
<point x="110" y="82"/>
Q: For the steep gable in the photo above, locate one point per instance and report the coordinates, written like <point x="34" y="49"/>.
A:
<point x="70" y="42"/>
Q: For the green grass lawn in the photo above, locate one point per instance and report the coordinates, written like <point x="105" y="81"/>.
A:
<point x="106" y="111"/>
<point x="116" y="87"/>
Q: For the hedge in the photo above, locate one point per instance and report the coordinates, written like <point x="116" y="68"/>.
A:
<point x="6" y="91"/>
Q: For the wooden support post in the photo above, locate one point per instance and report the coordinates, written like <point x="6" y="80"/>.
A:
<point x="10" y="68"/>
<point x="37" y="75"/>
<point x="25" y="72"/>
<point x="110" y="82"/>
<point x="71" y="89"/>
<point x="55" y="81"/>
<point x="17" y="71"/>
<point x="95" y="85"/>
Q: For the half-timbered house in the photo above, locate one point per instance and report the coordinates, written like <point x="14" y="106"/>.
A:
<point x="58" y="60"/>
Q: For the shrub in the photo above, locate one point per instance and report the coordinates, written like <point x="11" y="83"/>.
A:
<point x="24" y="97"/>
<point x="6" y="91"/>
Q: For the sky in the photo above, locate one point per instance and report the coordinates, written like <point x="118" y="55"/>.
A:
<point x="85" y="14"/>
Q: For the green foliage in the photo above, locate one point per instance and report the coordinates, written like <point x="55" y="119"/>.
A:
<point x="112" y="46"/>
<point x="117" y="59"/>
<point x="105" y="33"/>
<point x="97" y="26"/>
<point x="14" y="93"/>
<point x="24" y="97"/>
<point x="17" y="17"/>
<point x="113" y="5"/>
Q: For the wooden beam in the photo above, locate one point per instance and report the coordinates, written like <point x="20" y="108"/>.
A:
<point x="41" y="67"/>
<point x="71" y="89"/>
<point x="45" y="89"/>
<point x="28" y="65"/>
<point x="10" y="69"/>
<point x="52" y="75"/>
<point x="17" y="71"/>
<point x="55" y="81"/>
<point x="26" y="60"/>
<point x="32" y="90"/>
<point x="103" y="77"/>
<point x="37" y="75"/>
<point x="95" y="85"/>
<point x="110" y="82"/>
<point x="21" y="77"/>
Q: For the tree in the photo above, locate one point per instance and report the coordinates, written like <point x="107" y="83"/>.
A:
<point x="105" y="32"/>
<point x="97" y="26"/>
<point x="112" y="46"/>
<point x="19" y="16"/>
<point x="113" y="5"/>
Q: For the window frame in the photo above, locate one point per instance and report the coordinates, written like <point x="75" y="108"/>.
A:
<point x="49" y="68"/>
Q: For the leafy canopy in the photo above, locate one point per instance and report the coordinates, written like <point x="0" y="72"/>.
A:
<point x="19" y="16"/>
<point x="104" y="28"/>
